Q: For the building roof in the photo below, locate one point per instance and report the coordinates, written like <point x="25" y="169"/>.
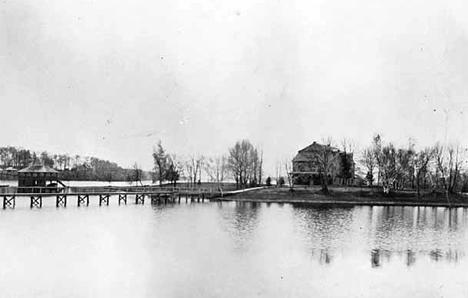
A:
<point x="316" y="146"/>
<point x="302" y="156"/>
<point x="38" y="168"/>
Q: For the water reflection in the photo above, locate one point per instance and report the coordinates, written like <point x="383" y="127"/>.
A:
<point x="409" y="233"/>
<point x="163" y="211"/>
<point x="234" y="250"/>
<point x="378" y="256"/>
<point x="240" y="222"/>
<point x="410" y="258"/>
<point x="420" y="231"/>
<point x="325" y="256"/>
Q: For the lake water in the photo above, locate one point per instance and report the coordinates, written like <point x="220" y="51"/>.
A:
<point x="232" y="249"/>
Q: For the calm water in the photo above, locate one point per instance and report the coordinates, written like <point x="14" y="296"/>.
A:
<point x="232" y="250"/>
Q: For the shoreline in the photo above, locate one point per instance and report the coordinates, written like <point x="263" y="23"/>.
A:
<point x="344" y="198"/>
<point x="334" y="203"/>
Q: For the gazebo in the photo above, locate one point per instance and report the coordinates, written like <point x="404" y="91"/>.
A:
<point x="37" y="175"/>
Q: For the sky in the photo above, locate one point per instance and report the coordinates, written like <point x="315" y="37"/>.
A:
<point x="110" y="78"/>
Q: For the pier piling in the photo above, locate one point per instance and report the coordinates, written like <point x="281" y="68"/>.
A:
<point x="36" y="201"/>
<point x="61" y="201"/>
<point x="104" y="199"/>
<point x="83" y="199"/>
<point x="155" y="199"/>
<point x="140" y="199"/>
<point x="9" y="202"/>
<point x="123" y="198"/>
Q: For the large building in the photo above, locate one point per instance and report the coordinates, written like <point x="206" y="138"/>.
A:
<point x="308" y="165"/>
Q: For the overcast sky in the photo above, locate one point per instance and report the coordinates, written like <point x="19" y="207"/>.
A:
<point x="110" y="78"/>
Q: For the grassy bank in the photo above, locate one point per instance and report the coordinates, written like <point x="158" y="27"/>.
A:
<point x="352" y="196"/>
<point x="226" y="186"/>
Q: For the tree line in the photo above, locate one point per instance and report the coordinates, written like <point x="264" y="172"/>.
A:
<point x="434" y="167"/>
<point x="242" y="164"/>
<point x="74" y="167"/>
<point x="437" y="167"/>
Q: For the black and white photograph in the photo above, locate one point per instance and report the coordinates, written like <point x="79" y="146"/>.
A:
<point x="231" y="149"/>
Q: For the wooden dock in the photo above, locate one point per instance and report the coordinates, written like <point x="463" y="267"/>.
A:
<point x="156" y="195"/>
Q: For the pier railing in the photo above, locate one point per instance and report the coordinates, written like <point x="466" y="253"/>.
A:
<point x="31" y="189"/>
<point x="103" y="189"/>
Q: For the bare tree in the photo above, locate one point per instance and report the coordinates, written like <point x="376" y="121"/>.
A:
<point x="255" y="170"/>
<point x="404" y="165"/>
<point x="245" y="163"/>
<point x="369" y="161"/>
<point x="388" y="164"/>
<point x="377" y="149"/>
<point x="216" y="169"/>
<point x="236" y="163"/>
<point x="175" y="169"/>
<point x="455" y="164"/>
<point x="189" y="170"/>
<point x="394" y="165"/>
<point x="76" y="160"/>
<point x="347" y="145"/>
<point x="137" y="173"/>
<point x="288" y="169"/>
<point x="195" y="167"/>
<point x="160" y="163"/>
<point x="412" y="155"/>
<point x="278" y="172"/>
<point x="347" y="163"/>
<point x="449" y="162"/>
<point x="260" y="167"/>
<point x="421" y="162"/>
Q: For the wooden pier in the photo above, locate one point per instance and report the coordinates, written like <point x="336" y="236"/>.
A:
<point x="104" y="195"/>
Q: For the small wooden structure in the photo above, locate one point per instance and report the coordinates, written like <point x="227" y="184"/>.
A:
<point x="10" y="170"/>
<point x="36" y="177"/>
<point x="8" y="173"/>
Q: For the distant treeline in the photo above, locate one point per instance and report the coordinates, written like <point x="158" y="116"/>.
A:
<point x="70" y="167"/>
<point x="441" y="166"/>
<point x="243" y="164"/>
